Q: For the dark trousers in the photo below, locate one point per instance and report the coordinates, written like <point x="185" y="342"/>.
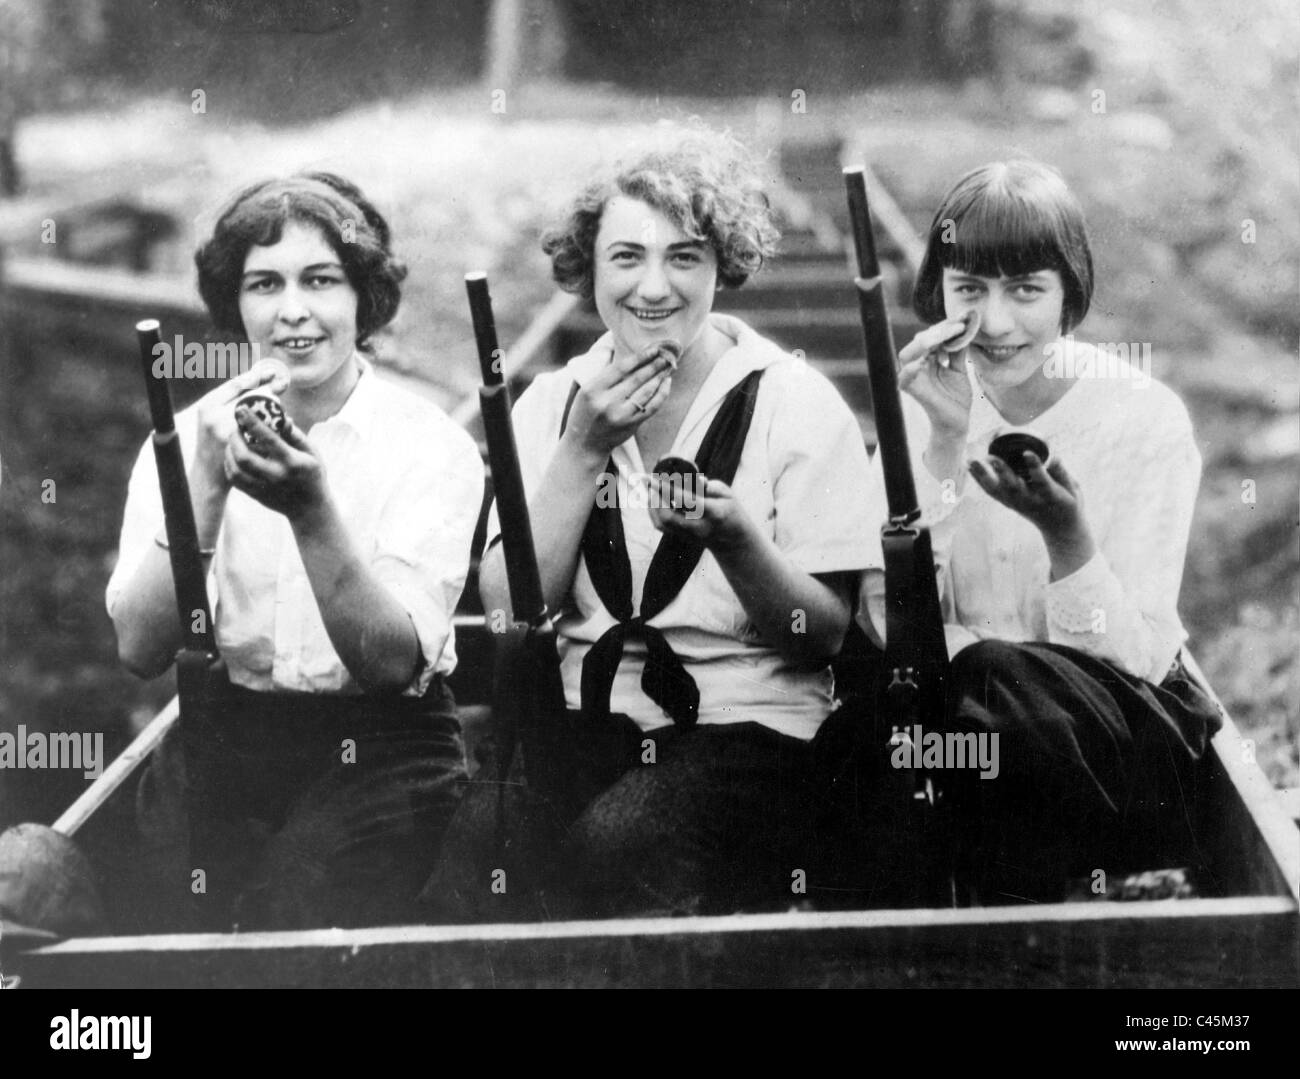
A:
<point x="1097" y="770"/>
<point x="303" y="811"/>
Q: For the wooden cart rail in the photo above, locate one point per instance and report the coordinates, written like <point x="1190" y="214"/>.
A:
<point x="1228" y="943"/>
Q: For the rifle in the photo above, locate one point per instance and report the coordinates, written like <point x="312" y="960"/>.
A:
<point x="540" y="693"/>
<point x="200" y="672"/>
<point x="916" y="655"/>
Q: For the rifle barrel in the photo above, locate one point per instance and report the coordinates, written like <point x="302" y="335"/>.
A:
<point x="485" y="328"/>
<point x="891" y="433"/>
<point x="526" y="595"/>
<point x="178" y="512"/>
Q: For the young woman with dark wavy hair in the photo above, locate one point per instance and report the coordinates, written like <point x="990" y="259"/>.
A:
<point x="336" y="550"/>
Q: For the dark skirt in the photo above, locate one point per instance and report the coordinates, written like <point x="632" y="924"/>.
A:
<point x="303" y="810"/>
<point x="711" y="819"/>
<point x="707" y="820"/>
<point x="1088" y="773"/>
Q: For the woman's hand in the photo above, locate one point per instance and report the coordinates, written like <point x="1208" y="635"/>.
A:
<point x="282" y="473"/>
<point x="216" y="418"/>
<point x="1049" y="499"/>
<point x="802" y="616"/>
<point x="937" y="379"/>
<point x="608" y="410"/>
<point x="706" y="510"/>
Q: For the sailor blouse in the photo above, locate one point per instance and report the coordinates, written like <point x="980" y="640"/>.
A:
<point x="802" y="478"/>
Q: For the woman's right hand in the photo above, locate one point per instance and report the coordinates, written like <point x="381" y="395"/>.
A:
<point x="607" y="411"/>
<point x="937" y="379"/>
<point x="216" y="417"/>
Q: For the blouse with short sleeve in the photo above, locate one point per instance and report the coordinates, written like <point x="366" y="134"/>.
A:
<point x="802" y="478"/>
<point x="408" y="484"/>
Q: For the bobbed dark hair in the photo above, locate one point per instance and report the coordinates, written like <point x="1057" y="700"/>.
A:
<point x="335" y="207"/>
<point x="704" y="182"/>
<point x="1008" y="218"/>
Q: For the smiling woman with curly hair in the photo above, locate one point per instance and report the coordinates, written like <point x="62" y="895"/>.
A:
<point x="696" y="637"/>
<point x="708" y="187"/>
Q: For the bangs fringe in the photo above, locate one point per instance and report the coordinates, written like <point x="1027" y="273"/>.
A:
<point x="1008" y="219"/>
<point x="1003" y="235"/>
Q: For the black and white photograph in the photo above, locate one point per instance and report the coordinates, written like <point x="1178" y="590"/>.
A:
<point x="735" y="494"/>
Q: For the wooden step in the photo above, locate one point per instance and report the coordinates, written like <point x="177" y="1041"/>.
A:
<point x="813" y="285"/>
<point x="806" y="246"/>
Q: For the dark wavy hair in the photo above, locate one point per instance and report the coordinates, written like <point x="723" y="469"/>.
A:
<point x="1012" y="218"/>
<point x="349" y="222"/>
<point x="706" y="183"/>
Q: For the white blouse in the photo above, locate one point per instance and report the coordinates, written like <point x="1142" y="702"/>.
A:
<point x="1127" y="441"/>
<point x="802" y="479"/>
<point x="408" y="483"/>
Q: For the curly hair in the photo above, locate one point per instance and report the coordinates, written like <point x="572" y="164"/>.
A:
<point x="1012" y="218"/>
<point x="347" y="220"/>
<point x="706" y="183"/>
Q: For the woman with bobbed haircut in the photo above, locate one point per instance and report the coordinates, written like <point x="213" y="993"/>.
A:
<point x="1059" y="566"/>
<point x="355" y="230"/>
<point x="698" y="613"/>
<point x="337" y="546"/>
<point x="1008" y="218"/>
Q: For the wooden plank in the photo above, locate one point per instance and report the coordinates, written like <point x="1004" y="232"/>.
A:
<point x="1252" y="825"/>
<point x="77" y="284"/>
<point x="1203" y="943"/>
<point x="116" y="774"/>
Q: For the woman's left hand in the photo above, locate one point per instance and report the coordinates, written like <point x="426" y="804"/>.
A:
<point x="1047" y="497"/>
<point x="709" y="513"/>
<point x="282" y="472"/>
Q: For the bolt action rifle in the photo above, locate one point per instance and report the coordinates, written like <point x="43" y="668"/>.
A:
<point x="915" y="667"/>
<point x="536" y="688"/>
<point x="200" y="671"/>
